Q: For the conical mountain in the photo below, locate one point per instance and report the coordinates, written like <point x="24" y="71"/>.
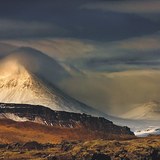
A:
<point x="18" y="84"/>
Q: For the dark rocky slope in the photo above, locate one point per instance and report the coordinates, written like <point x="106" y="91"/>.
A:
<point x="44" y="115"/>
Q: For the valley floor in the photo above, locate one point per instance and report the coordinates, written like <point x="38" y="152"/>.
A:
<point x="32" y="141"/>
<point x="136" y="149"/>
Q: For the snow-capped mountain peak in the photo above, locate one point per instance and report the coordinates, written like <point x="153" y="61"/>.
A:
<point x="17" y="75"/>
<point x="19" y="85"/>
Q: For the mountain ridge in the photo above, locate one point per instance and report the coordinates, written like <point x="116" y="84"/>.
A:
<point x="62" y="119"/>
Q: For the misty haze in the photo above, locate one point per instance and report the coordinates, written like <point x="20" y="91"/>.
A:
<point x="79" y="80"/>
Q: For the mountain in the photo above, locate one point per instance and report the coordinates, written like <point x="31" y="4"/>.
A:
<point x="147" y="111"/>
<point x="19" y="85"/>
<point x="37" y="62"/>
<point x="46" y="116"/>
<point x="26" y="79"/>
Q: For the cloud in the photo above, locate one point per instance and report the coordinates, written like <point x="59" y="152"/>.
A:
<point x="60" y="19"/>
<point x="10" y="29"/>
<point x="134" y="53"/>
<point x="60" y="48"/>
<point x="151" y="42"/>
<point x="114" y="93"/>
<point x="130" y="61"/>
<point x="130" y="6"/>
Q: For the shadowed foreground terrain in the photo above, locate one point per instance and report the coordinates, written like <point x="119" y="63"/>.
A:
<point x="135" y="149"/>
<point x="12" y="131"/>
<point x="32" y="141"/>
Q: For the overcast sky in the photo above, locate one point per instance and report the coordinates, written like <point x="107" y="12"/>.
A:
<point x="93" y="37"/>
<point x="99" y="20"/>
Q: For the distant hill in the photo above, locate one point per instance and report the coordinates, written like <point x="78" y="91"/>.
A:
<point x="22" y="122"/>
<point x="147" y="111"/>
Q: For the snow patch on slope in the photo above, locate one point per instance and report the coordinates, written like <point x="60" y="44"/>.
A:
<point x="13" y="117"/>
<point x="152" y="130"/>
<point x="17" y="118"/>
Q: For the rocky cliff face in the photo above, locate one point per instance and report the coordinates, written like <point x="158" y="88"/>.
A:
<point x="44" y="115"/>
